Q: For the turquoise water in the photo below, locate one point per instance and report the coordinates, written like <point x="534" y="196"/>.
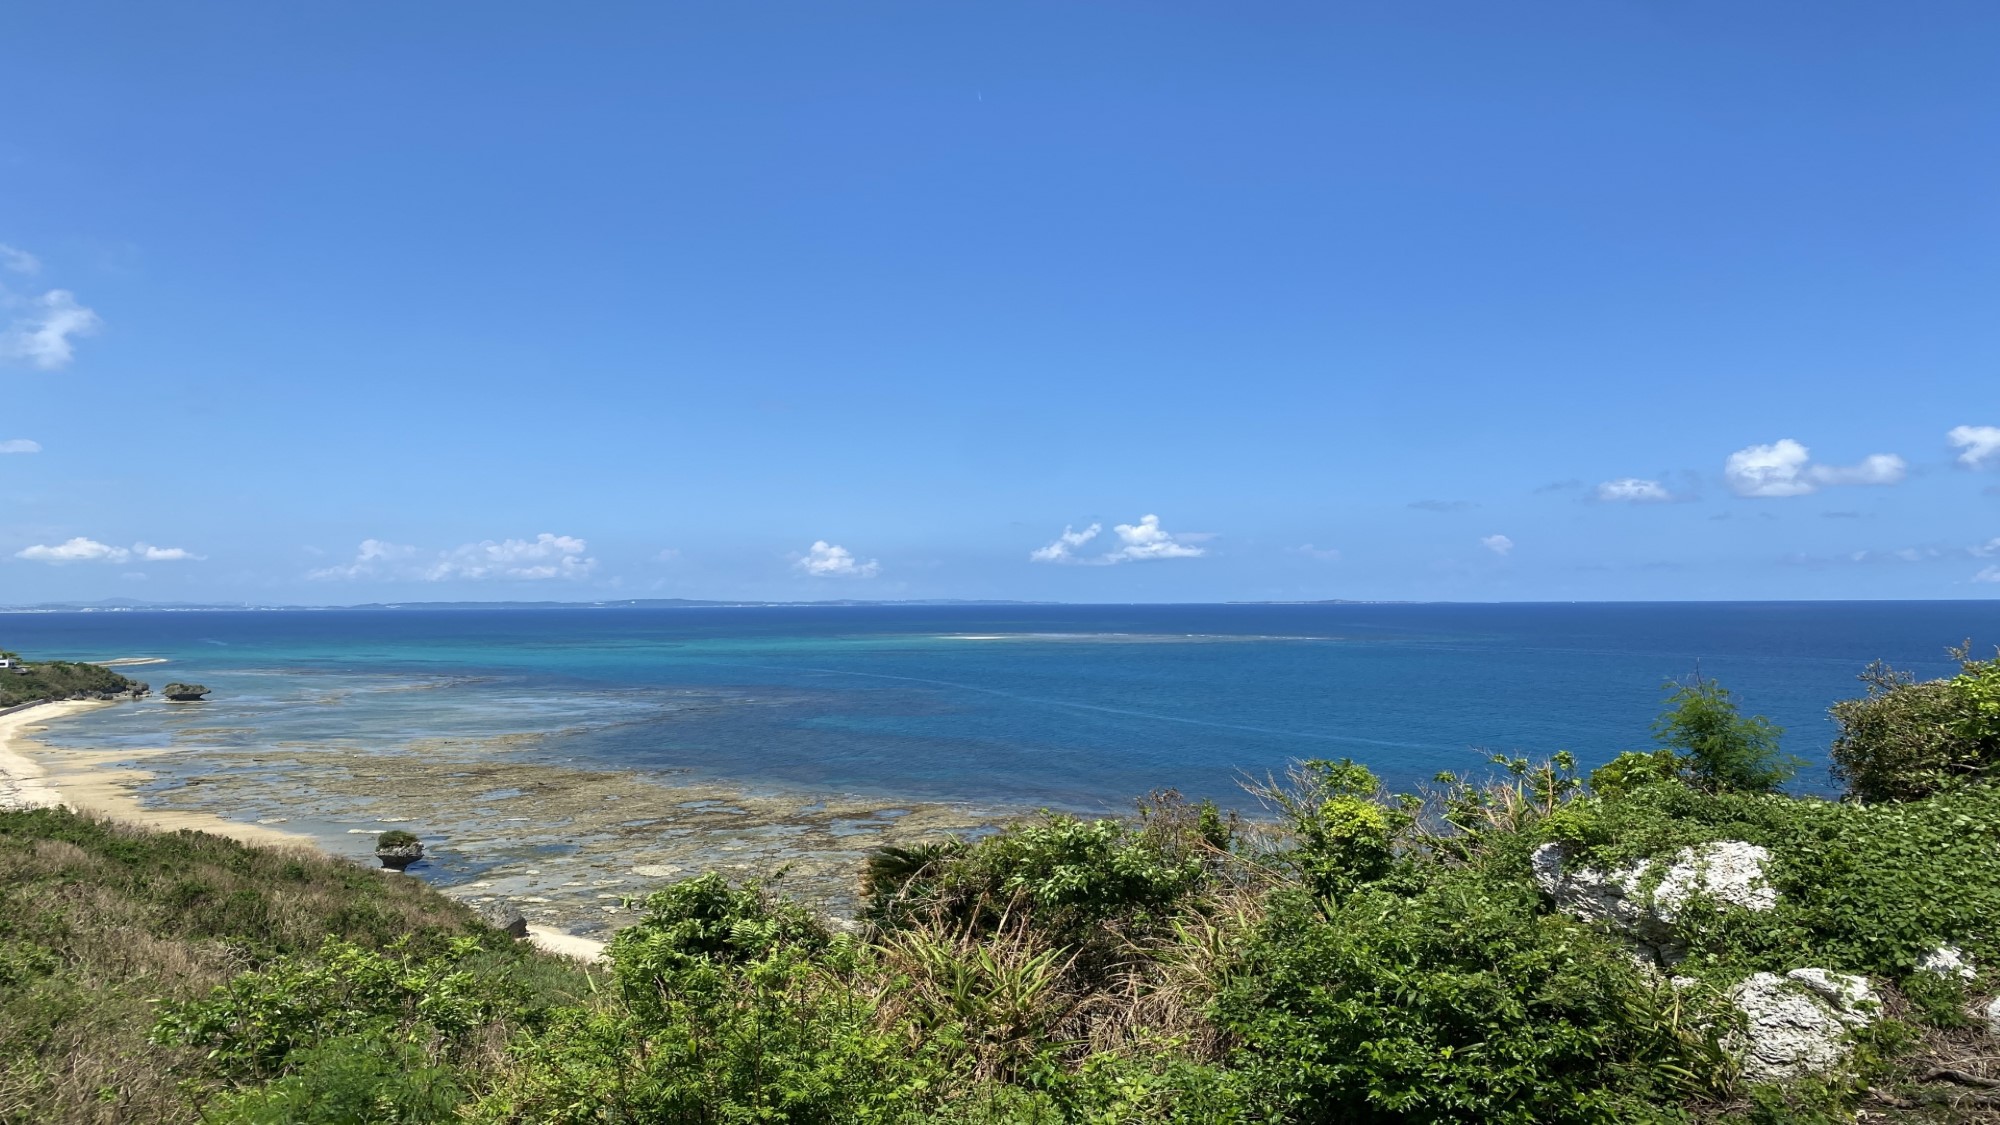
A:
<point x="1072" y="706"/>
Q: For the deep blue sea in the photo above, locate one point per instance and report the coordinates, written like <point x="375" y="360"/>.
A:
<point x="1069" y="706"/>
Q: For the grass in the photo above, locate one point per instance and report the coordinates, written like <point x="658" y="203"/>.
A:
<point x="100" y="924"/>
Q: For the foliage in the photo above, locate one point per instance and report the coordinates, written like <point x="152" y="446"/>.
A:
<point x="396" y="838"/>
<point x="252" y="1025"/>
<point x="1861" y="888"/>
<point x="1067" y="875"/>
<point x="353" y="1081"/>
<point x="1722" y="750"/>
<point x="1461" y="1002"/>
<point x="60" y="679"/>
<point x="100" y="923"/>
<point x="723" y="1036"/>
<point x="706" y="919"/>
<point x="1907" y="739"/>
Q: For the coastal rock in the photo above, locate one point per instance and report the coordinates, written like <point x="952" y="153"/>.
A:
<point x="184" y="693"/>
<point x="504" y="917"/>
<point x="1948" y="961"/>
<point x="398" y="849"/>
<point x="1797" y="1025"/>
<point x="1726" y="872"/>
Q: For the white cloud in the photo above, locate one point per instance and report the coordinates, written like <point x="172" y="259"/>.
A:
<point x="375" y="559"/>
<point x="1876" y="468"/>
<point x="19" y="261"/>
<point x="1138" y="542"/>
<point x="1978" y="446"/>
<point x="81" y="549"/>
<point x="1147" y="540"/>
<point x="78" y="549"/>
<point x="825" y="560"/>
<point x="1990" y="574"/>
<point x="1498" y="544"/>
<point x="544" y="557"/>
<point x="20" y="445"/>
<point x="1785" y="468"/>
<point x="1323" y="554"/>
<point x="1633" y="490"/>
<point x="1769" y="470"/>
<point x="41" y="329"/>
<point x="1064" y="548"/>
<point x="668" y="554"/>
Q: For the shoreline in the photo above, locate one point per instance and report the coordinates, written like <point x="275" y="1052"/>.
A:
<point x="34" y="775"/>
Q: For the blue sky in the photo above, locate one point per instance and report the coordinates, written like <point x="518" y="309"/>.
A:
<point x="341" y="303"/>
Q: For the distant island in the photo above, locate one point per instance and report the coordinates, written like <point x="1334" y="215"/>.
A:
<point x="129" y="605"/>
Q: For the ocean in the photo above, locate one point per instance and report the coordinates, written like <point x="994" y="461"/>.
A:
<point x="1079" y="707"/>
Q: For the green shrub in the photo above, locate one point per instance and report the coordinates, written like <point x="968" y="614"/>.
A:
<point x="706" y="919"/>
<point x="1062" y="875"/>
<point x="733" y="1007"/>
<point x="1721" y="749"/>
<point x="253" y="1025"/>
<point x="396" y="839"/>
<point x="1633" y="769"/>
<point x="1459" y="1003"/>
<point x="350" y="1081"/>
<point x="1908" y="739"/>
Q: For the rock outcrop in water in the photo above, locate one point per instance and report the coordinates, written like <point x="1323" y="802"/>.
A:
<point x="398" y="849"/>
<point x="184" y="693"/>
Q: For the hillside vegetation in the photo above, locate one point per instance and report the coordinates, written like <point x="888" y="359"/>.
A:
<point x="1358" y="956"/>
<point x="61" y="679"/>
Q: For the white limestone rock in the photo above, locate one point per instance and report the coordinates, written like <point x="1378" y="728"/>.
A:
<point x="1727" y="872"/>
<point x="1798" y="1024"/>
<point x="1948" y="961"/>
<point x="1993" y="1016"/>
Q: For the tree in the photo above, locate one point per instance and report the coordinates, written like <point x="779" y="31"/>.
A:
<point x="1723" y="750"/>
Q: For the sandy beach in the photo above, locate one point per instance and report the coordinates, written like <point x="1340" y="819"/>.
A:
<point x="36" y="776"/>
<point x="33" y="775"/>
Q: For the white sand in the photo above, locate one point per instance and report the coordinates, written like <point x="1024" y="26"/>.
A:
<point x="568" y="945"/>
<point x="96" y="781"/>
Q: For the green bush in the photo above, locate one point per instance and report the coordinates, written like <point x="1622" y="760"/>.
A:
<point x="1459" y="1003"/>
<point x="732" y="1009"/>
<point x="359" y="1080"/>
<point x="1908" y="739"/>
<point x="254" y="1025"/>
<point x="706" y="919"/>
<point x="1061" y="875"/>
<point x="1721" y="749"/>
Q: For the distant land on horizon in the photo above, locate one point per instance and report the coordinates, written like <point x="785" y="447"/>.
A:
<point x="120" y="605"/>
<point x="126" y="604"/>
